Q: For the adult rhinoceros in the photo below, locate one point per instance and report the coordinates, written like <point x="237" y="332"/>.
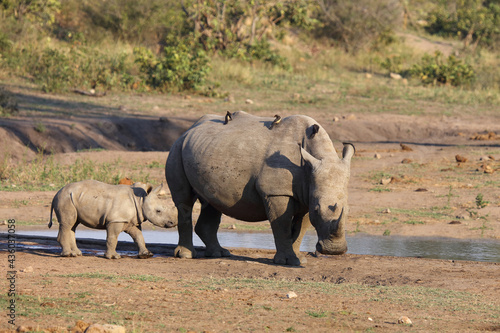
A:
<point x="254" y="170"/>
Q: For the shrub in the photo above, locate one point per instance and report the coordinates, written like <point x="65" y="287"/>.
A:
<point x="183" y="66"/>
<point x="477" y="22"/>
<point x="8" y="104"/>
<point x="52" y="72"/>
<point x="433" y="70"/>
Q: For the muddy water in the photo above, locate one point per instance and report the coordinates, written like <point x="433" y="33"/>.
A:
<point x="424" y="247"/>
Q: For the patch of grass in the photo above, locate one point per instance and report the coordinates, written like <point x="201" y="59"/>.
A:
<point x="387" y="232"/>
<point x="317" y="314"/>
<point x="40" y="127"/>
<point x="433" y="213"/>
<point x="114" y="277"/>
<point x="379" y="189"/>
<point x="45" y="174"/>
<point x="413" y="222"/>
<point x="156" y="164"/>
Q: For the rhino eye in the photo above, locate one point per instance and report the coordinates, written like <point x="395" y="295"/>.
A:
<point x="158" y="211"/>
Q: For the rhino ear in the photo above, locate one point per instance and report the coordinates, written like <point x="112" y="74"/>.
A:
<point x="312" y="161"/>
<point x="348" y="151"/>
<point x="161" y="193"/>
<point x="148" y="188"/>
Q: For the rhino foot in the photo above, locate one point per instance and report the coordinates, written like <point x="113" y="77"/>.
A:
<point x="112" y="255"/>
<point x="283" y="259"/>
<point x="184" y="252"/>
<point x="71" y="253"/>
<point x="145" y="254"/>
<point x="217" y="253"/>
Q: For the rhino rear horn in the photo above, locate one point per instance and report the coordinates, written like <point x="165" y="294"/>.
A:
<point x="312" y="161"/>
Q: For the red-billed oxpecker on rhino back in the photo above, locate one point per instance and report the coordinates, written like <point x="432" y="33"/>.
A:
<point x="253" y="170"/>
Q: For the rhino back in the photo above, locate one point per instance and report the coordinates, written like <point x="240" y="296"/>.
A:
<point x="98" y="203"/>
<point x="234" y="166"/>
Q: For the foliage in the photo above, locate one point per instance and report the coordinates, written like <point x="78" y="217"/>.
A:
<point x="8" y="103"/>
<point x="356" y="25"/>
<point x="477" y="22"/>
<point x="52" y="72"/>
<point x="433" y="70"/>
<point x="41" y="12"/>
<point x="480" y="202"/>
<point x="183" y="66"/>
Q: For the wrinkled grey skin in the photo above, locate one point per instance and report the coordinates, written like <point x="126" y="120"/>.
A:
<point x="115" y="208"/>
<point x="248" y="171"/>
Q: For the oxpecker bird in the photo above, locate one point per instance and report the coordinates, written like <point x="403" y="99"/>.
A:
<point x="227" y="118"/>
<point x="276" y="121"/>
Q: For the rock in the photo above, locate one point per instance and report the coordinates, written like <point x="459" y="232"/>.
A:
<point x="377" y="156"/>
<point x="232" y="226"/>
<point x="336" y="119"/>
<point x="80" y="326"/>
<point x="156" y="108"/>
<point x="404" y="320"/>
<point x="460" y="158"/>
<point x="405" y="147"/>
<point x="407" y="161"/>
<point x="370" y="319"/>
<point x="291" y="294"/>
<point x="106" y="328"/>
<point x="368" y="75"/>
<point x="4" y="222"/>
<point x="349" y="117"/>
<point x="421" y="189"/>
<point x="22" y="329"/>
<point x="248" y="101"/>
<point x="485" y="158"/>
<point x="122" y="108"/>
<point x="28" y="269"/>
<point x="386" y="211"/>
<point x="385" y="181"/>
<point x="455" y="222"/>
<point x="395" y="76"/>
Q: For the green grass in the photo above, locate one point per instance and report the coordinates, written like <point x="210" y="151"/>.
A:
<point x="45" y="174"/>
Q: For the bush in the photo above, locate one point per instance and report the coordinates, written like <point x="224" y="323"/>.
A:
<point x="183" y="66"/>
<point x="477" y="22"/>
<point x="52" y="71"/>
<point x="433" y="70"/>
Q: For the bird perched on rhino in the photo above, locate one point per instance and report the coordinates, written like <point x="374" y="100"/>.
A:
<point x="227" y="118"/>
<point x="276" y="121"/>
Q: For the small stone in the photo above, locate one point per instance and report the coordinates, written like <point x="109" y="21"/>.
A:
<point x="4" y="222"/>
<point x="291" y="294"/>
<point x="248" y="101"/>
<point x="28" y="269"/>
<point x="385" y="181"/>
<point x="463" y="216"/>
<point x="485" y="158"/>
<point x="370" y="318"/>
<point x="455" y="222"/>
<point x="395" y="76"/>
<point x="488" y="169"/>
<point x="460" y="158"/>
<point x="421" y="189"/>
<point x="156" y="108"/>
<point x="404" y="320"/>
<point x="349" y="117"/>
<point x="407" y="161"/>
<point x="22" y="329"/>
<point x="232" y="226"/>
<point x="122" y="108"/>
<point x="52" y="185"/>
<point x="92" y="91"/>
<point x="336" y="119"/>
<point x="386" y="211"/>
<point x="377" y="156"/>
<point x="163" y="120"/>
<point x="368" y="75"/>
<point x="14" y="186"/>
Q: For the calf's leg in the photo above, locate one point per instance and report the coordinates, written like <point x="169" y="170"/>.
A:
<point x="113" y="230"/>
<point x="136" y="234"/>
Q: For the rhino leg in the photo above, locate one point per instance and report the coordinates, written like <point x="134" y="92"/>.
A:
<point x="299" y="227"/>
<point x="66" y="236"/>
<point x="206" y="228"/>
<point x="138" y="238"/>
<point x="113" y="230"/>
<point x="185" y="248"/>
<point x="280" y="211"/>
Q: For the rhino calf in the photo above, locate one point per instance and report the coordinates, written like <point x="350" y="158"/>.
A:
<point x="115" y="208"/>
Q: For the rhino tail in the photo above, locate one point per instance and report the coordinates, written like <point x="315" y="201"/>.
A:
<point x="51" y="210"/>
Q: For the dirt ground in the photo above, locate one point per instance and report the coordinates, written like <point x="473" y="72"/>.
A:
<point x="415" y="189"/>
